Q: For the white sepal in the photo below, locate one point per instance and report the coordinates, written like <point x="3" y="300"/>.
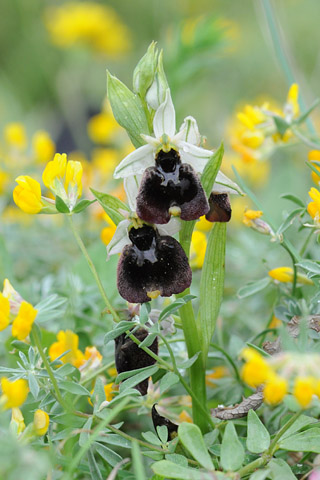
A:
<point x="197" y="157"/>
<point x="136" y="162"/>
<point x="131" y="185"/>
<point x="170" y="228"/>
<point x="165" y="118"/>
<point x="191" y="131"/>
<point x="120" y="239"/>
<point x="223" y="184"/>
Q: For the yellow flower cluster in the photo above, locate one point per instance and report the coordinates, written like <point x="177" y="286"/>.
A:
<point x="39" y="426"/>
<point x="16" y="310"/>
<point x="15" y="137"/>
<point x="67" y="345"/>
<point x="61" y="176"/>
<point x="90" y="24"/>
<point x="14" y="393"/>
<point x="281" y="374"/>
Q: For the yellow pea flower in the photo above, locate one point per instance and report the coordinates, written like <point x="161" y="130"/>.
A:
<point x="27" y="195"/>
<point x="15" y="135"/>
<point x="303" y="390"/>
<point x="14" y="393"/>
<point x="315" y="155"/>
<point x="256" y="370"/>
<point x="22" y="324"/>
<point x="314" y="207"/>
<point x="285" y="275"/>
<point x="54" y="172"/>
<point x="198" y="249"/>
<point x="73" y="178"/>
<point x="40" y="422"/>
<point x="250" y="215"/>
<point x="102" y="127"/>
<point x="4" y="312"/>
<point x="67" y="341"/>
<point x="43" y="146"/>
<point x="185" y="417"/>
<point x="292" y="100"/>
<point x="17" y="421"/>
<point x="275" y="390"/>
<point x="217" y="372"/>
<point x="109" y="391"/>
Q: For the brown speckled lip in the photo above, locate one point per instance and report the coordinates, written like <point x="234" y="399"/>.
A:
<point x="220" y="208"/>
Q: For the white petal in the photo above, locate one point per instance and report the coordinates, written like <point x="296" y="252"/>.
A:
<point x="165" y="118"/>
<point x="120" y="239"/>
<point x="136" y="162"/>
<point x="191" y="131"/>
<point x="131" y="186"/>
<point x="197" y="157"/>
<point x="170" y="228"/>
<point x="223" y="184"/>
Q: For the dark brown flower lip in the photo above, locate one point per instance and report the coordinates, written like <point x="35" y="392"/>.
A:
<point x="128" y="356"/>
<point x="220" y="208"/>
<point x="158" y="421"/>
<point x="161" y="269"/>
<point x="168" y="184"/>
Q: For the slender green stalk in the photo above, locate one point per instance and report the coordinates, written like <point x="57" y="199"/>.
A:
<point x="197" y="370"/>
<point x="93" y="270"/>
<point x="252" y="466"/>
<point x="294" y="267"/>
<point x="306" y="243"/>
<point x="273" y="447"/>
<point x="68" y="407"/>
<point x="156" y="357"/>
<point x="233" y="365"/>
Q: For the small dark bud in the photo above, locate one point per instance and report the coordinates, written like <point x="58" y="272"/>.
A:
<point x="158" y="421"/>
<point x="220" y="208"/>
<point x="170" y="188"/>
<point x="129" y="356"/>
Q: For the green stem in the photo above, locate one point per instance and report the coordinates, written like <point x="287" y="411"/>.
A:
<point x="197" y="370"/>
<point x="156" y="357"/>
<point x="93" y="270"/>
<point x="68" y="407"/>
<point x="273" y="447"/>
<point x="233" y="365"/>
<point x="294" y="281"/>
<point x="309" y="143"/>
<point x="184" y="383"/>
<point x="252" y="466"/>
<point x="306" y="243"/>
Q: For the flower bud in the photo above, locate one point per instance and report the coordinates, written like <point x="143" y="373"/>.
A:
<point x="144" y="72"/>
<point x="40" y="422"/>
<point x="157" y="92"/>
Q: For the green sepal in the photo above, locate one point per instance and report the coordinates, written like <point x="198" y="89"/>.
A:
<point x="281" y="125"/>
<point x="82" y="205"/>
<point x="211" y="170"/>
<point x="61" y="206"/>
<point x="144" y="72"/>
<point x="128" y="110"/>
<point x="111" y="205"/>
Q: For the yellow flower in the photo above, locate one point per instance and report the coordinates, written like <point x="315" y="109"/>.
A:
<point x="275" y="390"/>
<point x="43" y="146"/>
<point x="104" y="161"/>
<point x="22" y="324"/>
<point x="4" y="180"/>
<point x="67" y="341"/>
<point x="185" y="417"/>
<point x="92" y="357"/>
<point x="256" y="370"/>
<point x="285" y="275"/>
<point x="314" y="207"/>
<point x="218" y="372"/>
<point x="63" y="177"/>
<point x="198" y="249"/>
<point x="17" y="421"/>
<point x="315" y="155"/>
<point x="40" y="422"/>
<point x="203" y="225"/>
<point x="27" y="195"/>
<point x="4" y="312"/>
<point x="102" y="128"/>
<point x="88" y="23"/>
<point x="112" y="372"/>
<point x="292" y="100"/>
<point x="275" y="322"/>
<point x="14" y="393"/>
<point x="108" y="390"/>
<point x="15" y="135"/>
<point x="303" y="390"/>
<point x="250" y="215"/>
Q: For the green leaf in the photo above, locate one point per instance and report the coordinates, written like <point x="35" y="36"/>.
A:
<point x="258" y="438"/>
<point x="280" y="470"/>
<point x="82" y="205"/>
<point x="151" y="438"/>
<point x="188" y="363"/>
<point x="232" y="451"/>
<point x="169" y="469"/>
<point x="289" y="220"/>
<point x="312" y="167"/>
<point x="148" y="340"/>
<point x="111" y="457"/>
<point x="138" y="467"/>
<point x="33" y="385"/>
<point x="130" y="373"/>
<point x="253" y="287"/>
<point x="281" y="125"/>
<point x="211" y="170"/>
<point x="306" y="114"/>
<point x="167" y="381"/>
<point x="177" y="458"/>
<point x="93" y="467"/>
<point x="310" y="266"/>
<point x="133" y="381"/>
<point x="128" y="110"/>
<point x="144" y="312"/>
<point x="111" y="205"/>
<point x="84" y="435"/>
<point x="61" y="206"/>
<point x="162" y="432"/>
<point x="75" y="388"/>
<point x="300" y="423"/>
<point x="116" y="332"/>
<point x="260" y="474"/>
<point x="293" y="198"/>
<point x="176" y="305"/>
<point x="191" y="438"/>
<point x="211" y="284"/>
<point x="307" y="441"/>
